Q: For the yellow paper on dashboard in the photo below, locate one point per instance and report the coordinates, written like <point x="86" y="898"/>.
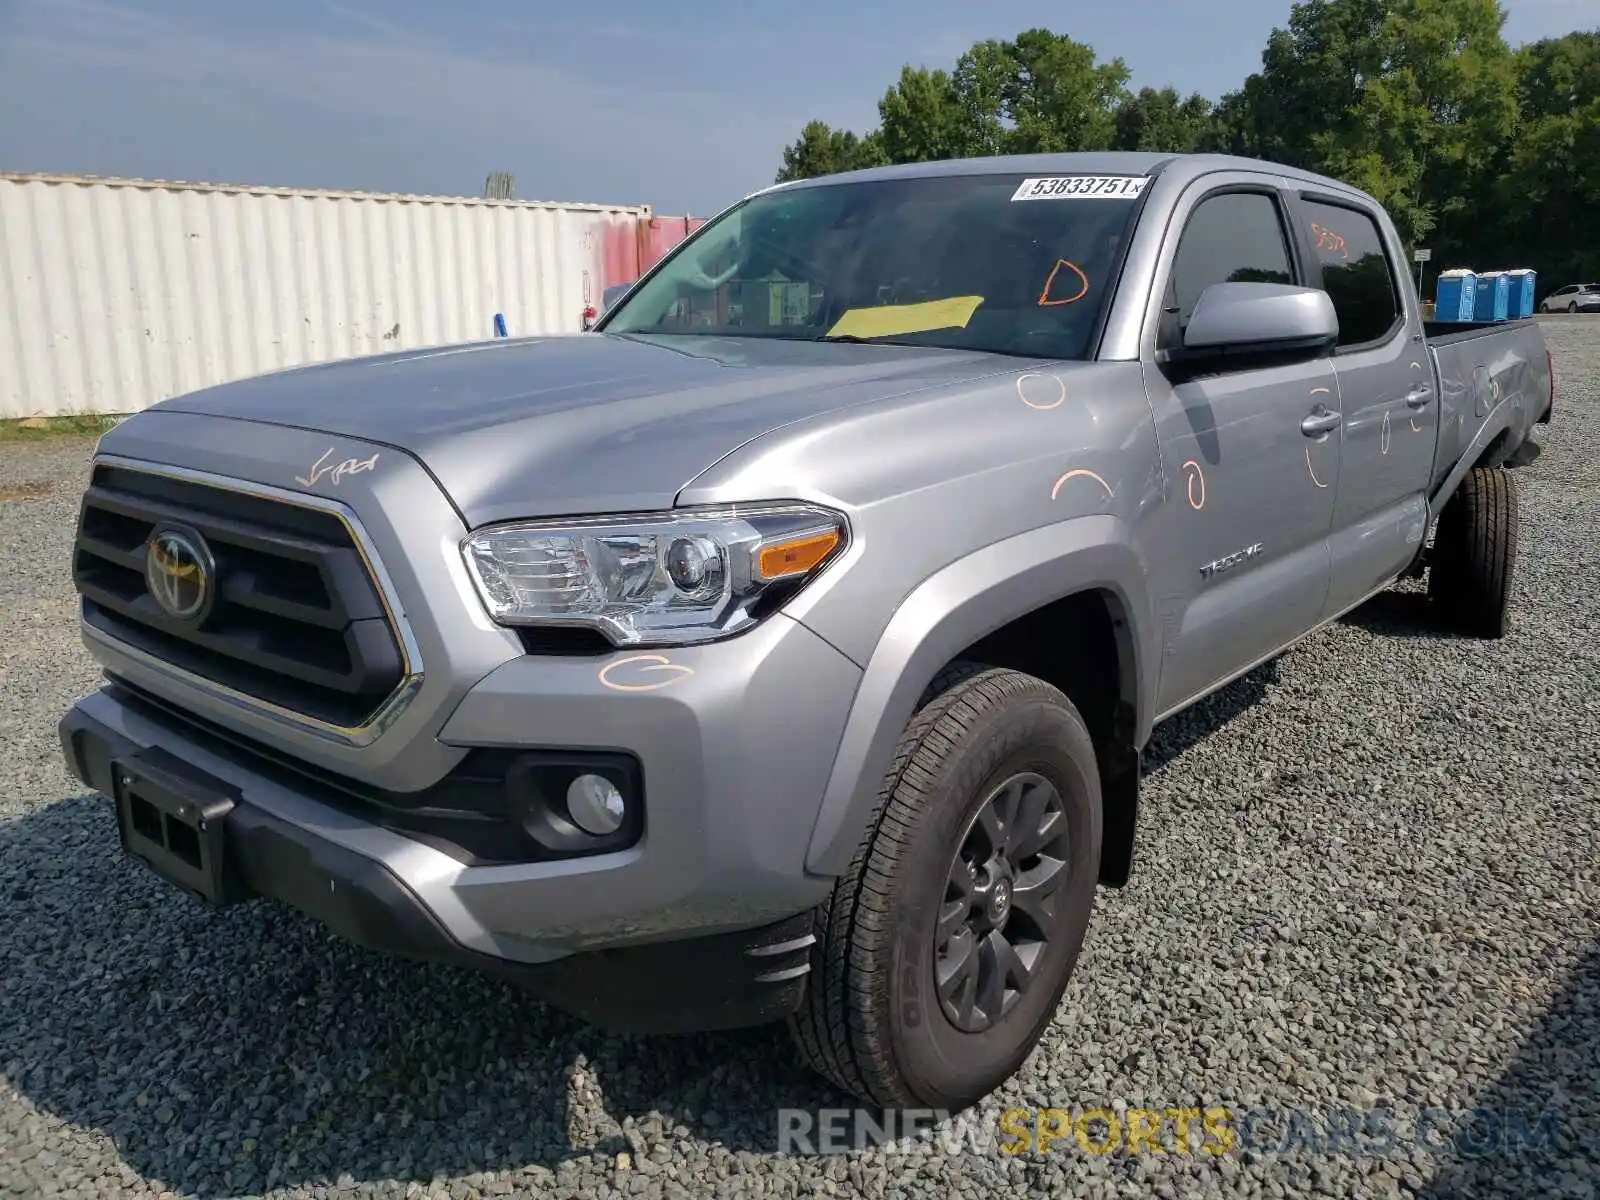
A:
<point x="893" y="320"/>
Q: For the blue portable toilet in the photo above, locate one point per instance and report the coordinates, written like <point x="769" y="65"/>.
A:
<point x="1455" y="295"/>
<point x="1523" y="282"/>
<point x="1494" y="291"/>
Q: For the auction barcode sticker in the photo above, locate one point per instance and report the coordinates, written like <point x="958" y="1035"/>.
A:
<point x="1082" y="187"/>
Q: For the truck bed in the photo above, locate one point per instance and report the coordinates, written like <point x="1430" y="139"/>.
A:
<point x="1480" y="366"/>
<point x="1448" y="332"/>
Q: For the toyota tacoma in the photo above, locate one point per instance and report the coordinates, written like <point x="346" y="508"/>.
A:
<point x="784" y="647"/>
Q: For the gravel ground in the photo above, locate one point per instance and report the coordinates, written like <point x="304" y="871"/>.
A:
<point x="1367" y="882"/>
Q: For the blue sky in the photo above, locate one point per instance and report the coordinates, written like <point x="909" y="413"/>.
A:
<point x="681" y="106"/>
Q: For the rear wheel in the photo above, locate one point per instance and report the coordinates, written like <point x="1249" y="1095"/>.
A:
<point x="1572" y="307"/>
<point x="1475" y="552"/>
<point x="944" y="949"/>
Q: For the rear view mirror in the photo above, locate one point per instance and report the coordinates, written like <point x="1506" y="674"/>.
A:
<point x="1251" y="318"/>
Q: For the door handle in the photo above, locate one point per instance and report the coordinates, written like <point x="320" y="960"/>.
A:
<point x="1419" y="396"/>
<point x="1321" y="421"/>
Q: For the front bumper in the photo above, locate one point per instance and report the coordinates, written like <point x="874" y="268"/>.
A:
<point x="734" y="751"/>
<point x="244" y="851"/>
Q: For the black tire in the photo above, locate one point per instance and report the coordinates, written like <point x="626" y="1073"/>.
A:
<point x="1475" y="553"/>
<point x="872" y="1021"/>
<point x="1572" y="309"/>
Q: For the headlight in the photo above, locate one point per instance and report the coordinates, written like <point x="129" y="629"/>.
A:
<point x="662" y="579"/>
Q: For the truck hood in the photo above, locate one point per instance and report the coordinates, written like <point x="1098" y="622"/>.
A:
<point x="591" y="423"/>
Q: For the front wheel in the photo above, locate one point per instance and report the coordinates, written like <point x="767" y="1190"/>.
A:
<point x="944" y="949"/>
<point x="1572" y="309"/>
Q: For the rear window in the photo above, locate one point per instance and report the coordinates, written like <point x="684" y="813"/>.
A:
<point x="1355" y="271"/>
<point x="1007" y="263"/>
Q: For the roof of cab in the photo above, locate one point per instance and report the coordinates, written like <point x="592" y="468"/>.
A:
<point x="1094" y="162"/>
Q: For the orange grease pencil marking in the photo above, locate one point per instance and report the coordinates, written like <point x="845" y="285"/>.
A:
<point x="1083" y="289"/>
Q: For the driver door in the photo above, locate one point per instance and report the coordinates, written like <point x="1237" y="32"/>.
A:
<point x="1241" y="544"/>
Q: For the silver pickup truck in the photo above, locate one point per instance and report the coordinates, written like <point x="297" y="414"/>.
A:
<point x="784" y="648"/>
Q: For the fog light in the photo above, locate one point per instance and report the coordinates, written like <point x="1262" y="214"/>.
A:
<point x="595" y="805"/>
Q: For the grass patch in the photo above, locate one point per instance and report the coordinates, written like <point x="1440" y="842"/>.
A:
<point x="35" y="429"/>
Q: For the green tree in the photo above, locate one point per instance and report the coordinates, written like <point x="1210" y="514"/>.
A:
<point x="1159" y="120"/>
<point x="1244" y="122"/>
<point x="982" y="82"/>
<point x="1548" y="194"/>
<point x="1056" y="96"/>
<point x="1041" y="92"/>
<point x="1311" y="73"/>
<point x="1409" y="100"/>
<point x="923" y="118"/>
<point x="1455" y="76"/>
<point x="1557" y="75"/>
<point x="821" y="150"/>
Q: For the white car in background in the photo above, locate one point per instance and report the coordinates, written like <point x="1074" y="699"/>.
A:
<point x="1575" y="297"/>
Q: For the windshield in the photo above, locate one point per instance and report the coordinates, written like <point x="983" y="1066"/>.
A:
<point x="1005" y="263"/>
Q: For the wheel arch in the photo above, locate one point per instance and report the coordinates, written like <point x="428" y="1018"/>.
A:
<point x="1079" y="564"/>
<point x="1494" y="440"/>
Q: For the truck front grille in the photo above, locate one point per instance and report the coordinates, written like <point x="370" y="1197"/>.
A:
<point x="295" y="621"/>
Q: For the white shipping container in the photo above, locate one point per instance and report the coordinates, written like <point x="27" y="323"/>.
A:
<point x="118" y="293"/>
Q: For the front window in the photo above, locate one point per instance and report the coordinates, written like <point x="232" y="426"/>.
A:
<point x="1231" y="237"/>
<point x="1003" y="263"/>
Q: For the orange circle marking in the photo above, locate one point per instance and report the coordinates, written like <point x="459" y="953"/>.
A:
<point x="1061" y="387"/>
<point x="1086" y="473"/>
<point x="653" y="664"/>
<point x="1197" y="476"/>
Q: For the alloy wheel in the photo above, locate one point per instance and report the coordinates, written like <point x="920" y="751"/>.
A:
<point x="998" y="910"/>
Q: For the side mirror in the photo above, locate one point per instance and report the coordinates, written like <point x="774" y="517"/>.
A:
<point x="1233" y="322"/>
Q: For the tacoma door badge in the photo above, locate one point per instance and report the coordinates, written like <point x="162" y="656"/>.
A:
<point x="1229" y="561"/>
<point x="334" y="472"/>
